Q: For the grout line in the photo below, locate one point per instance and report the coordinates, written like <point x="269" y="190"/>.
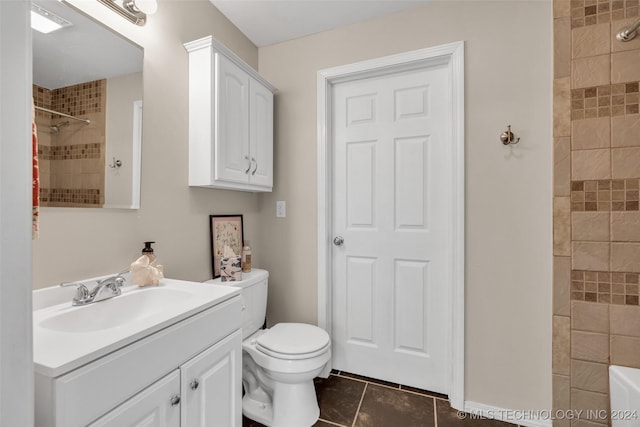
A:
<point x="359" y="404"/>
<point x="392" y="388"/>
<point x="365" y="381"/>
<point x="435" y="413"/>
<point x="446" y="399"/>
<point x="331" y="422"/>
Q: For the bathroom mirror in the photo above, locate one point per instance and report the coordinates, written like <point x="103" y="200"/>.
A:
<point x="90" y="154"/>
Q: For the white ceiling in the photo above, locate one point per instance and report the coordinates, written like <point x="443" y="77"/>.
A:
<point x="267" y="22"/>
<point x="89" y="51"/>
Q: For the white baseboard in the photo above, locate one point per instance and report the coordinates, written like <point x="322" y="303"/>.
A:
<point x="528" y="418"/>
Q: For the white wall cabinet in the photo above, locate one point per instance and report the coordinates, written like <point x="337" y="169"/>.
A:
<point x="230" y="120"/>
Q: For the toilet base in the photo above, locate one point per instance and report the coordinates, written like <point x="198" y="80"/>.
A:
<point x="296" y="406"/>
<point x="257" y="411"/>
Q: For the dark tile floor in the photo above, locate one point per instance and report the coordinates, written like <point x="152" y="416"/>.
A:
<point x="348" y="400"/>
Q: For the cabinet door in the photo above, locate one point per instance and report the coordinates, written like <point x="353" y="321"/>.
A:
<point x="156" y="406"/>
<point x="261" y="134"/>
<point x="212" y="386"/>
<point x="232" y="130"/>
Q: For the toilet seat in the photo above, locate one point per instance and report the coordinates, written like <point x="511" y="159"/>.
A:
<point x="292" y="341"/>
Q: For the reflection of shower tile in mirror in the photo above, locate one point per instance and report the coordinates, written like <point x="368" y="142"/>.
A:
<point x="72" y="156"/>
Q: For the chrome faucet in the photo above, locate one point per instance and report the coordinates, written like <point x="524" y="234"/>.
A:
<point x="106" y="288"/>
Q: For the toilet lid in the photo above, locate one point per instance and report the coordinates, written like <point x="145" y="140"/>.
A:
<point x="293" y="341"/>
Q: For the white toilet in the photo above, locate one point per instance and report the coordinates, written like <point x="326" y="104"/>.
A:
<point x="280" y="363"/>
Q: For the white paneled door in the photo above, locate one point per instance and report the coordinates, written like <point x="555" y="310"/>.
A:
<point x="392" y="217"/>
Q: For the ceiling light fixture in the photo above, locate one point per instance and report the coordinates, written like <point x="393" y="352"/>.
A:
<point x="44" y="21"/>
<point x="132" y="10"/>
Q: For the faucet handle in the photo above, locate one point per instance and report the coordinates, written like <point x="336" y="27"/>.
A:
<point x="113" y="282"/>
<point x="118" y="281"/>
<point x="82" y="293"/>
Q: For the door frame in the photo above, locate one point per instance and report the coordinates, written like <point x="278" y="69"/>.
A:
<point x="16" y="333"/>
<point x="452" y="57"/>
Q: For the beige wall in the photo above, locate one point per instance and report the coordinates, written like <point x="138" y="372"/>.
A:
<point x="508" y="201"/>
<point x="508" y="237"/>
<point x="122" y="92"/>
<point x="596" y="213"/>
<point x="79" y="243"/>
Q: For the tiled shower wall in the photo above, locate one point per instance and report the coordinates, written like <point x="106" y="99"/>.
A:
<point x="596" y="131"/>
<point x="72" y="161"/>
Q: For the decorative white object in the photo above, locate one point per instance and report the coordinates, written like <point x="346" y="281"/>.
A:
<point x="146" y="272"/>
<point x="230" y="120"/>
<point x="230" y="266"/>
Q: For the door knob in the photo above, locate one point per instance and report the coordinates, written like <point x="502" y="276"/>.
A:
<point x="338" y="240"/>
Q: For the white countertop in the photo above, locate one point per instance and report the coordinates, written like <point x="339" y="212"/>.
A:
<point x="56" y="352"/>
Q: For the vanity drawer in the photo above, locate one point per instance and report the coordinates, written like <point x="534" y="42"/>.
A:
<point x="123" y="373"/>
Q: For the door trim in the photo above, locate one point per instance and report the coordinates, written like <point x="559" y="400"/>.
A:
<point x="452" y="56"/>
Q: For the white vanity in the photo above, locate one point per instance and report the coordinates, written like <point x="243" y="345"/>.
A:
<point x="156" y="356"/>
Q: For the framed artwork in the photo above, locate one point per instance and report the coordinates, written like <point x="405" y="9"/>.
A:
<point x="225" y="230"/>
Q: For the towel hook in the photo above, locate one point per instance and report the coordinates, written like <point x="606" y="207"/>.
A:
<point x="507" y="137"/>
<point x="116" y="163"/>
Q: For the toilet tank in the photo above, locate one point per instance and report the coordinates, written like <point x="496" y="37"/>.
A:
<point x="253" y="290"/>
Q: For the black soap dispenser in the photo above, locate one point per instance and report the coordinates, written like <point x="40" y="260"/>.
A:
<point x="148" y="251"/>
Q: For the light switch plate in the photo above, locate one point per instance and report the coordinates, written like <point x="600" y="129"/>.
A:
<point x="281" y="209"/>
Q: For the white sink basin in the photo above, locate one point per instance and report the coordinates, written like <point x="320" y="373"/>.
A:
<point x="116" y="312"/>
<point x="66" y="337"/>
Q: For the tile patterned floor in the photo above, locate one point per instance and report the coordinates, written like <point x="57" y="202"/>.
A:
<point x="348" y="400"/>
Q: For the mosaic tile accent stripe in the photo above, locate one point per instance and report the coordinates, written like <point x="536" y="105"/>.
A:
<point x="605" y="287"/>
<point x="591" y="12"/>
<point x="80" y="99"/>
<point x="68" y="152"/>
<point x="605" y="195"/>
<point x="42" y="98"/>
<point x="65" y="195"/>
<point x="604" y="101"/>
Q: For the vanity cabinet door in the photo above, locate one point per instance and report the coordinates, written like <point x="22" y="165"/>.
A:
<point x="260" y="134"/>
<point x="232" y="133"/>
<point x="212" y="386"/>
<point x="156" y="406"/>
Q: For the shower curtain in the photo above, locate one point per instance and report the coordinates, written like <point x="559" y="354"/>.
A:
<point x="36" y="175"/>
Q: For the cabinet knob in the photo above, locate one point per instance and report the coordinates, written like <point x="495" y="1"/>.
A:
<point x="256" y="168"/>
<point x="249" y="168"/>
<point x="175" y="400"/>
<point x="194" y="384"/>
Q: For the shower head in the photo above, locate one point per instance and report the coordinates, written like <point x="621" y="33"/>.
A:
<point x="58" y="127"/>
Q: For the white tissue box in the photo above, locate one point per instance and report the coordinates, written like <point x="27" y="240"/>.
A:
<point x="230" y="269"/>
